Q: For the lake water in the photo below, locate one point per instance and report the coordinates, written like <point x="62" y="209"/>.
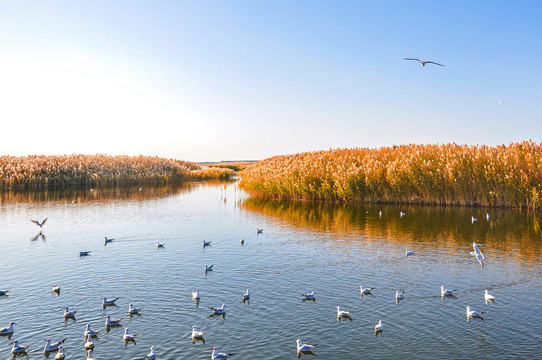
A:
<point x="304" y="247"/>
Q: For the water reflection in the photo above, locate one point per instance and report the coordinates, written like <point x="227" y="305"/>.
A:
<point x="507" y="230"/>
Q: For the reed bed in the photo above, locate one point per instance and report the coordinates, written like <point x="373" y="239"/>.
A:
<point x="40" y="171"/>
<point x="212" y="173"/>
<point x="449" y="174"/>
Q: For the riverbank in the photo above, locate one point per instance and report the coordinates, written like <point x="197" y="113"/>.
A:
<point x="449" y="174"/>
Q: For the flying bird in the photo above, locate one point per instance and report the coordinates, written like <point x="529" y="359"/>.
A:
<point x="501" y="101"/>
<point x="423" y="62"/>
<point x="40" y="224"/>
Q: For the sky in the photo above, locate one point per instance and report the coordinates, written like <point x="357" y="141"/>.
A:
<point x="246" y="80"/>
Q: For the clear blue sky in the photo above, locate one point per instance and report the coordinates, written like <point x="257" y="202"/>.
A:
<point x="216" y="80"/>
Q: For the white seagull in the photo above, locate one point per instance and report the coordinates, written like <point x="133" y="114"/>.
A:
<point x="304" y="347"/>
<point x="106" y="302"/>
<point x="89" y="331"/>
<point x="342" y="313"/>
<point x="399" y="295"/>
<point x="309" y="296"/>
<point x="379" y="326"/>
<point x="365" y="291"/>
<point x="68" y="313"/>
<point x="89" y="345"/>
<point x="112" y="322"/>
<point x="8" y="329"/>
<point x="219" y="310"/>
<point x="409" y="252"/>
<point x="487" y="217"/>
<point x="196" y="295"/>
<point x="473" y="313"/>
<point x="423" y="62"/>
<point x="60" y="354"/>
<point x="197" y="334"/>
<point x="132" y="309"/>
<point x="16" y="349"/>
<point x="151" y="355"/>
<point x="3" y="292"/>
<point x="38" y="223"/>
<point x="246" y="296"/>
<point x="489" y="297"/>
<point x="52" y="347"/>
<point x="127" y="336"/>
<point x="208" y="268"/>
<point x="473" y="219"/>
<point x="160" y="246"/>
<point x="56" y="289"/>
<point x="216" y="355"/>
<point x="401" y="214"/>
<point x="446" y="292"/>
<point x="501" y="101"/>
<point x="380" y="213"/>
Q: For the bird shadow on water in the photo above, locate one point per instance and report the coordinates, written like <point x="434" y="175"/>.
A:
<point x="215" y="315"/>
<point x="126" y="342"/>
<point x="196" y="340"/>
<point x="39" y="235"/>
<point x="344" y="317"/>
<point x="301" y="353"/>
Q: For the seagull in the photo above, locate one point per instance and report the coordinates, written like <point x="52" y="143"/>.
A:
<point x="89" y="331"/>
<point x="501" y="101"/>
<point x="196" y="295"/>
<point x="160" y="246"/>
<point x="89" y="345"/>
<point x="84" y="253"/>
<point x="60" y="354"/>
<point x="127" y="336"/>
<point x="379" y="326"/>
<point x="259" y="231"/>
<point x="304" y="347"/>
<point x="409" y="252"/>
<point x="365" y="291"/>
<point x="8" y="329"/>
<point x="68" y="313"/>
<point x="399" y="295"/>
<point x="342" y="313"/>
<point x="89" y="353"/>
<point x="242" y="241"/>
<point x="106" y="302"/>
<point x="151" y="355"/>
<point x="246" y="296"/>
<point x="478" y="253"/>
<point x="219" y="310"/>
<point x="380" y="213"/>
<point x="489" y="297"/>
<point x="401" y="214"/>
<point x="217" y="355"/>
<point x="132" y="310"/>
<point x="196" y="334"/>
<point x="487" y="217"/>
<point x="473" y="313"/>
<point x="3" y="292"/>
<point x="206" y="243"/>
<point x="107" y="241"/>
<point x="16" y="349"/>
<point x="446" y="292"/>
<point x="309" y="296"/>
<point x="208" y="268"/>
<point x="423" y="62"/>
<point x="52" y="347"/>
<point x="110" y="322"/>
<point x="40" y="224"/>
<point x="473" y="219"/>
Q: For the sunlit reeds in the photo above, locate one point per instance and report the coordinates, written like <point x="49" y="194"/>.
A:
<point x="506" y="175"/>
<point x="91" y="170"/>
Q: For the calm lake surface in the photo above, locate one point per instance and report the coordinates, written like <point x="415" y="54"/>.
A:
<point x="304" y="247"/>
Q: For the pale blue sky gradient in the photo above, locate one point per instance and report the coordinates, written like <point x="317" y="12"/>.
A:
<point x="217" y="80"/>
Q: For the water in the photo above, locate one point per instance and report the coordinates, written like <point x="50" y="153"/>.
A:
<point x="327" y="248"/>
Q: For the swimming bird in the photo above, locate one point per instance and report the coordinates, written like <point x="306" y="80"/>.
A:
<point x="409" y="252"/>
<point x="216" y="355"/>
<point x="112" y="322"/>
<point x="379" y="326"/>
<point x="109" y="302"/>
<point x="196" y="295"/>
<point x="208" y="268"/>
<point x="84" y="253"/>
<point x="52" y="347"/>
<point x="55" y="289"/>
<point x="399" y="295"/>
<point x="68" y="313"/>
<point x="197" y="334"/>
<point x="259" y="231"/>
<point x="380" y="213"/>
<point x="423" y="62"/>
<point x="401" y="214"/>
<point x="365" y="291"/>
<point x="487" y="217"/>
<point x="160" y="246"/>
<point x="206" y="243"/>
<point x="151" y="355"/>
<point x="40" y="224"/>
<point x="107" y="241"/>
<point x="60" y="354"/>
<point x="342" y="313"/>
<point x="132" y="310"/>
<point x="127" y="336"/>
<point x="473" y="313"/>
<point x="309" y="296"/>
<point x="89" y="353"/>
<point x="89" y="345"/>
<point x="8" y="329"/>
<point x="16" y="349"/>
<point x="446" y="292"/>
<point x="242" y="241"/>
<point x="473" y="219"/>
<point x="304" y="347"/>
<point x="219" y="310"/>
<point x="89" y="331"/>
<point x="489" y="297"/>
<point x="246" y="296"/>
<point x="3" y="292"/>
